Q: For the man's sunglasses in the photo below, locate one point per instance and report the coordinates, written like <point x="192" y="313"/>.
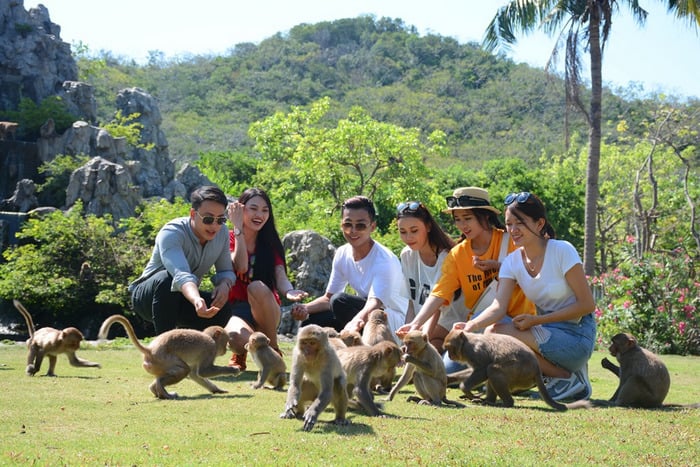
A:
<point x="407" y="206"/>
<point x="465" y="201"/>
<point x="348" y="227"/>
<point x="521" y="197"/>
<point x="209" y="220"/>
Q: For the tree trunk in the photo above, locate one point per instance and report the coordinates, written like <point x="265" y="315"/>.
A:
<point x="593" y="168"/>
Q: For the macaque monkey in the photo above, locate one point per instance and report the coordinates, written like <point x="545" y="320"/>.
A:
<point x="334" y="338"/>
<point x="644" y="378"/>
<point x="51" y="342"/>
<point x="271" y="367"/>
<point x="351" y="338"/>
<point x="424" y="364"/>
<point x="362" y="364"/>
<point x="176" y="354"/>
<point x="316" y="376"/>
<point x="504" y="363"/>
<point x="377" y="328"/>
<point x="8" y="129"/>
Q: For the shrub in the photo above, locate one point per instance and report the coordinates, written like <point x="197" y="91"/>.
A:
<point x="655" y="298"/>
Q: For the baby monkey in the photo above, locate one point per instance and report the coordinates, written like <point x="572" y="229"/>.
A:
<point x="51" y="342"/>
<point x="271" y="367"/>
<point x="176" y="354"/>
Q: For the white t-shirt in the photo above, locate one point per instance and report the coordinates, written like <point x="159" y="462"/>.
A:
<point x="421" y="278"/>
<point x="377" y="275"/>
<point x="548" y="289"/>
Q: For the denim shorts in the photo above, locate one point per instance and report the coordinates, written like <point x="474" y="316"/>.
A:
<point x="570" y="345"/>
<point x="243" y="311"/>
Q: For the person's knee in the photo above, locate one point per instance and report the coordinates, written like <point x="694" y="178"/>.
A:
<point x="258" y="290"/>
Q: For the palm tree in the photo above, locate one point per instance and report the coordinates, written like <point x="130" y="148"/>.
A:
<point x="579" y="22"/>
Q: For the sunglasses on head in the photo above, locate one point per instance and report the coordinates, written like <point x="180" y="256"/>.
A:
<point x="348" y="227"/>
<point x="521" y="197"/>
<point x="209" y="220"/>
<point x="465" y="201"/>
<point x="408" y="206"/>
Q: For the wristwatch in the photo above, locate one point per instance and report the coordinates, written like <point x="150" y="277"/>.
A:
<point x="236" y="231"/>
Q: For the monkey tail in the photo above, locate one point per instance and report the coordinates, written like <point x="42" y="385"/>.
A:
<point x="547" y="398"/>
<point x="104" y="330"/>
<point x="27" y="316"/>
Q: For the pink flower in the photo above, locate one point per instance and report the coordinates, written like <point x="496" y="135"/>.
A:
<point x="660" y="308"/>
<point x="610" y="306"/>
<point x="626" y="304"/>
<point x="598" y="313"/>
<point x="629" y="239"/>
<point x="681" y="327"/>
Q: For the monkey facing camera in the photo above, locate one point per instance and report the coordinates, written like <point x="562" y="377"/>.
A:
<point x="316" y="380"/>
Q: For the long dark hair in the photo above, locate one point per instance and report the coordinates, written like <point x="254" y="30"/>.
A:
<point x="267" y="242"/>
<point x="532" y="207"/>
<point x="437" y="238"/>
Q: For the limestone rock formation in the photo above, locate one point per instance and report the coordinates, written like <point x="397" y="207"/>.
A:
<point x="310" y="259"/>
<point x="35" y="61"/>
<point x="105" y="188"/>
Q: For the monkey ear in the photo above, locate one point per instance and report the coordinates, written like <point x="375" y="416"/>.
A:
<point x="217" y="333"/>
<point x="245" y="346"/>
<point x="425" y="337"/>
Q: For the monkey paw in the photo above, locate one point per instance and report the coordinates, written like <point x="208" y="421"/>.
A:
<point x="289" y="413"/>
<point x="309" y="422"/>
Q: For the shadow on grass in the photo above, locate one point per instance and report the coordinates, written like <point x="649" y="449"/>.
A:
<point x="606" y="404"/>
<point x="328" y="426"/>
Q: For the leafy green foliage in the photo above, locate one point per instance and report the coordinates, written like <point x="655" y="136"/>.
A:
<point x="45" y="271"/>
<point x="302" y="157"/>
<point x="31" y="116"/>
<point x="127" y="127"/>
<point x="57" y="172"/>
<point x="656" y="298"/>
<point x="229" y="171"/>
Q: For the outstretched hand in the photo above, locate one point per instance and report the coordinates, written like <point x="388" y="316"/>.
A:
<point x="296" y="295"/>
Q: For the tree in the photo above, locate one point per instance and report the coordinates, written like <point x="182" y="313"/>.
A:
<point x="587" y="23"/>
<point x="314" y="166"/>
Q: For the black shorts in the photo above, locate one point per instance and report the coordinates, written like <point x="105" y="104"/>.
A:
<point x="243" y="311"/>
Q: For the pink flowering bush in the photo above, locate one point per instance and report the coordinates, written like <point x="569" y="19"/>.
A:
<point x="656" y="299"/>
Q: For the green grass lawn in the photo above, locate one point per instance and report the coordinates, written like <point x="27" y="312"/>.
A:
<point x="107" y="416"/>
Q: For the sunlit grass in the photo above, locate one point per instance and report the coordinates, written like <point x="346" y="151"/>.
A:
<point x="108" y="416"/>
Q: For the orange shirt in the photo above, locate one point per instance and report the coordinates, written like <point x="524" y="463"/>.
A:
<point x="459" y="272"/>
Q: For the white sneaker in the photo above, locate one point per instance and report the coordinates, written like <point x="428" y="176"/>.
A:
<point x="574" y="387"/>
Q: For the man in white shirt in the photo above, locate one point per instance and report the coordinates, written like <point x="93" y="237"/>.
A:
<point x="371" y="269"/>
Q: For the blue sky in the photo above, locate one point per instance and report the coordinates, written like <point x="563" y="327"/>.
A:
<point x="664" y="56"/>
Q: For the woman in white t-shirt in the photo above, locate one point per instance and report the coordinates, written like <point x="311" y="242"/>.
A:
<point x="426" y="247"/>
<point x="550" y="273"/>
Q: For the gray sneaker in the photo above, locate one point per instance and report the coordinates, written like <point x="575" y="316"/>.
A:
<point x="574" y="387"/>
